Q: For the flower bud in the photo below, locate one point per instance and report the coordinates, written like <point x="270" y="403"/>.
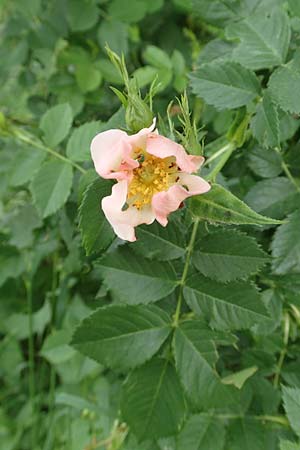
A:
<point x="138" y="114"/>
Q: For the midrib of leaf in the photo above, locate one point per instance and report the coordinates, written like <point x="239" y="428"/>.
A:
<point x="53" y="192"/>
<point x="140" y="274"/>
<point x="197" y="351"/>
<point x="233" y="305"/>
<point x="229" y="255"/>
<point x="159" y="238"/>
<point x="237" y="88"/>
<point x="148" y="417"/>
<point x="124" y="336"/>
<point x="275" y="53"/>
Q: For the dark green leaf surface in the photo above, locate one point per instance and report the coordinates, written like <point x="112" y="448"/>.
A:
<point x="286" y="246"/>
<point x="234" y="305"/>
<point x="152" y="402"/>
<point x="225" y="85"/>
<point x="275" y="197"/>
<point x="246" y="434"/>
<point x="135" y="280"/>
<point x="265" y="163"/>
<point x="96" y="232"/>
<point x="264" y="39"/>
<point x="227" y="255"/>
<point x="291" y="402"/>
<point x="219" y="205"/>
<point x="157" y="242"/>
<point x="265" y="124"/>
<point x="201" y="432"/>
<point x="195" y="357"/>
<point x="284" y="86"/>
<point x="122" y="336"/>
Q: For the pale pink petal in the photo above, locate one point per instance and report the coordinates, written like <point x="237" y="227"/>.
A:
<point x="139" y="139"/>
<point x="196" y="185"/>
<point x="163" y="203"/>
<point x="163" y="147"/>
<point x="107" y="151"/>
<point x="123" y="222"/>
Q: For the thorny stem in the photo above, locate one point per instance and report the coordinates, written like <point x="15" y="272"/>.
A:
<point x="28" y="140"/>
<point x="189" y="249"/>
<point x="286" y="331"/>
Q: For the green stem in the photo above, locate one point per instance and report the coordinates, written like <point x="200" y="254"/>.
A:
<point x="189" y="249"/>
<point x="225" y="155"/>
<point x="289" y="175"/>
<point x="28" y="140"/>
<point x="28" y="285"/>
<point x="217" y="154"/>
<point x="286" y="332"/>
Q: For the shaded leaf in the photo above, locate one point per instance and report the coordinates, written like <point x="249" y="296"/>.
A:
<point x="152" y="401"/>
<point x="291" y="402"/>
<point x="201" y="432"/>
<point x="96" y="231"/>
<point x="284" y="86"/>
<point x="265" y="163"/>
<point x="265" y="123"/>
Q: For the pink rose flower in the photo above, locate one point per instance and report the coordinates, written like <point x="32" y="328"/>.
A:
<point x="153" y="177"/>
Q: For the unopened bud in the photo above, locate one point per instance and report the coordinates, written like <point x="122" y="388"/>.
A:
<point x="138" y="114"/>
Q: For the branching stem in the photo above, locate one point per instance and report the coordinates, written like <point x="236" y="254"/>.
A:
<point x="189" y="251"/>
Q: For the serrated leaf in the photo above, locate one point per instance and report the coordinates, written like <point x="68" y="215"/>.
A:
<point x="291" y="403"/>
<point x="265" y="123"/>
<point x="220" y="205"/>
<point x="265" y="163"/>
<point x="284" y="87"/>
<point x="238" y="379"/>
<point x="133" y="280"/>
<point x="56" y="123"/>
<point x="201" y="432"/>
<point x="122" y="336"/>
<point x="228" y="255"/>
<point x="157" y="242"/>
<point x="96" y="232"/>
<point x="275" y="197"/>
<point x="235" y="305"/>
<point x="286" y="246"/>
<point x="51" y="186"/>
<point x="195" y="357"/>
<point x="152" y="400"/>
<point x="264" y="39"/>
<point x="78" y="147"/>
<point x="224" y="84"/>
<point x="247" y="434"/>
<point x="288" y="445"/>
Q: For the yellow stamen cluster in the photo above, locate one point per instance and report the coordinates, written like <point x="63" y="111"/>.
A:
<point x="152" y="176"/>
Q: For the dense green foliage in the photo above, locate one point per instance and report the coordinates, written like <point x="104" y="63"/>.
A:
<point x="188" y="338"/>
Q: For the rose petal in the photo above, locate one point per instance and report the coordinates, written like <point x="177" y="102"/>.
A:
<point x="123" y="222"/>
<point x="163" y="147"/>
<point x="139" y="139"/>
<point x="163" y="203"/>
<point x="107" y="151"/>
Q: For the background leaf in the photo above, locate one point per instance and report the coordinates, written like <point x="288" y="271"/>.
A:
<point x="78" y="147"/>
<point x="291" y="402"/>
<point x="51" y="186"/>
<point x="56" y="124"/>
<point x="265" y="124"/>
<point x="201" y="432"/>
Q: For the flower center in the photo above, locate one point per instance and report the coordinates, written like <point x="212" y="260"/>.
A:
<point x="152" y="176"/>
